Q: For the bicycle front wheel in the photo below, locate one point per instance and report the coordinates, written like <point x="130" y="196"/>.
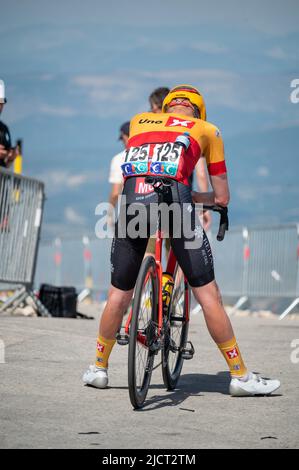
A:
<point x="176" y="331"/>
<point x="143" y="332"/>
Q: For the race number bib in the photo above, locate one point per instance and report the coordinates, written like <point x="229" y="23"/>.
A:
<point x="158" y="159"/>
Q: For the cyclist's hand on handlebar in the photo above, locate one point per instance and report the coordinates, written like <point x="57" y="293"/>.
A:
<point x="203" y="198"/>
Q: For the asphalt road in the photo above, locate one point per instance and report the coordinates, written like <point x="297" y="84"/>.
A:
<point x="45" y="405"/>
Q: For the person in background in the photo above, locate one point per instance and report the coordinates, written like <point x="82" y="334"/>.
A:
<point x="115" y="175"/>
<point x="156" y="99"/>
<point x="7" y="152"/>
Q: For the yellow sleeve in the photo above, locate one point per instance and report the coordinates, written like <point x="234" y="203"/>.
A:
<point x="214" y="150"/>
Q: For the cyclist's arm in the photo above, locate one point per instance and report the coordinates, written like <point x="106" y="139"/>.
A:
<point x="219" y="195"/>
<point x="221" y="190"/>
<point x="115" y="178"/>
<point x="204" y="198"/>
<point x="115" y="192"/>
<point x="201" y="175"/>
<point x="213" y="149"/>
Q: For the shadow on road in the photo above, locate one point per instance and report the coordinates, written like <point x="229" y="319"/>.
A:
<point x="195" y="385"/>
<point x="189" y="385"/>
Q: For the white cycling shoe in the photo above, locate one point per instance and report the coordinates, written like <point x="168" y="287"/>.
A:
<point x="96" y="377"/>
<point x="255" y="385"/>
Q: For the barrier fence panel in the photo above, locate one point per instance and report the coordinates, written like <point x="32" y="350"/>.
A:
<point x="259" y="262"/>
<point x="82" y="261"/>
<point x="229" y="262"/>
<point x="272" y="264"/>
<point x="250" y="262"/>
<point x="21" y="207"/>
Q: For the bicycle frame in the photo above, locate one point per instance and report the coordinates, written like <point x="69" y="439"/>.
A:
<point x="171" y="264"/>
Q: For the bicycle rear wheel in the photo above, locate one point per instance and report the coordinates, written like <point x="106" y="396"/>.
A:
<point x="176" y="331"/>
<point x="143" y="332"/>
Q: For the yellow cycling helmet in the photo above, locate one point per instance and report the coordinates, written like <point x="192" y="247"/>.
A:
<point x="192" y="94"/>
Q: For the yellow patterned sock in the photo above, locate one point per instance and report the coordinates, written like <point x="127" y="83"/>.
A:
<point x="231" y="353"/>
<point x="104" y="348"/>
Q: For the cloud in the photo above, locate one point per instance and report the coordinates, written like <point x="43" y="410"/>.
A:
<point x="246" y="193"/>
<point x="263" y="171"/>
<point x="73" y="217"/>
<point x="275" y="17"/>
<point x="123" y="91"/>
<point x="62" y="111"/>
<point x="112" y="94"/>
<point x="222" y="87"/>
<point x="116" y="88"/>
<point x="47" y="77"/>
<point x="123" y="87"/>
<point x="63" y="180"/>
<point x="255" y="193"/>
<point x="279" y="53"/>
<point x="209" y="47"/>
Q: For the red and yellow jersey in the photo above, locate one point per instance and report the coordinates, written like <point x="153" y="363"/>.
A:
<point x="152" y="148"/>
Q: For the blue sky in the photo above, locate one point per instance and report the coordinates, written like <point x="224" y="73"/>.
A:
<point x="75" y="71"/>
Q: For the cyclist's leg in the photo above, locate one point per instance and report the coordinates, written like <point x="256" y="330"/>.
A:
<point x="117" y="303"/>
<point x="197" y="265"/>
<point x="126" y="259"/>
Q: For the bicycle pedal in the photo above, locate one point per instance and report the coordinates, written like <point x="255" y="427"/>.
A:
<point x="122" y="340"/>
<point x="188" y="353"/>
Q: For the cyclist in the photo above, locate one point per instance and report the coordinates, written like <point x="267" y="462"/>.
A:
<point x="156" y="99"/>
<point x="183" y="110"/>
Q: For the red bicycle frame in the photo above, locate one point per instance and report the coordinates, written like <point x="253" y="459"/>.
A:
<point x="171" y="264"/>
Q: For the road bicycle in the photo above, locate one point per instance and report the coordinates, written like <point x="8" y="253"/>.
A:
<point x="152" y="325"/>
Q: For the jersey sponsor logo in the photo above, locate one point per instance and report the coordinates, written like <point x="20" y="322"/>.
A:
<point x="232" y="353"/>
<point x="141" y="187"/>
<point x="149" y="121"/>
<point x="137" y="168"/>
<point x="100" y="347"/>
<point x="166" y="168"/>
<point x="172" y="122"/>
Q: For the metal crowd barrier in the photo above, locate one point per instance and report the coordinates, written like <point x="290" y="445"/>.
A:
<point x="251" y="262"/>
<point x="259" y="262"/>
<point x="80" y="261"/>
<point x="21" y="208"/>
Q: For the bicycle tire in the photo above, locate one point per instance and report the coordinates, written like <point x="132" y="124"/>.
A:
<point x="138" y="386"/>
<point x="172" y="363"/>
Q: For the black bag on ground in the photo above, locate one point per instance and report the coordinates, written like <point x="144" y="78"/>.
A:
<point x="60" y="301"/>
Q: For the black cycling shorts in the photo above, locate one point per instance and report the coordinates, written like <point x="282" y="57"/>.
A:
<point x="191" y="247"/>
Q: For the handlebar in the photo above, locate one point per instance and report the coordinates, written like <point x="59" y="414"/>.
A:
<point x="160" y="184"/>
<point x="223" y="223"/>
